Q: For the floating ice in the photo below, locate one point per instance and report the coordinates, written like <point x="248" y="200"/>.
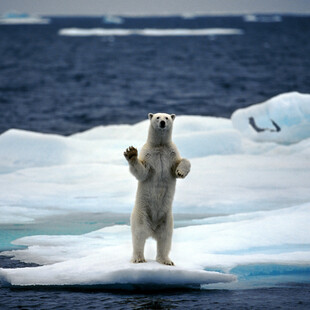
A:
<point x="14" y="18"/>
<point x="262" y="18"/>
<point x="282" y="119"/>
<point x="98" y="258"/>
<point x="148" y="32"/>
<point x="111" y="19"/>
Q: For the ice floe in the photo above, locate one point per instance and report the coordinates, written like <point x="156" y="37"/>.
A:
<point x="102" y="257"/>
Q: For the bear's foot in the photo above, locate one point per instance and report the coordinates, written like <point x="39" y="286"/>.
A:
<point x="166" y="261"/>
<point x="137" y="260"/>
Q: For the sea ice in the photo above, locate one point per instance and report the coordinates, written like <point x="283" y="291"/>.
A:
<point x="249" y="189"/>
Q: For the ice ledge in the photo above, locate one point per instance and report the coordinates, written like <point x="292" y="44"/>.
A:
<point x="125" y="275"/>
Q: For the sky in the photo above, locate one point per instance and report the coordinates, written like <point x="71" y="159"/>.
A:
<point x="154" y="7"/>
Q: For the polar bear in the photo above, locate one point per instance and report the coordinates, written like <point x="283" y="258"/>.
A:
<point x="158" y="166"/>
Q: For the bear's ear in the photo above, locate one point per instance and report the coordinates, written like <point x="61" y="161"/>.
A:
<point x="150" y="115"/>
<point x="172" y="116"/>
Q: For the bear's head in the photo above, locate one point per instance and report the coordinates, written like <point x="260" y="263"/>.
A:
<point x="161" y="121"/>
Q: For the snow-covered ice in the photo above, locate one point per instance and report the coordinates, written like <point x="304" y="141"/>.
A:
<point x="248" y="189"/>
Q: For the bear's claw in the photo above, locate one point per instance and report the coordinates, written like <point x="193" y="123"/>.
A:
<point x="138" y="260"/>
<point x="169" y="263"/>
<point x="181" y="174"/>
<point x="166" y="261"/>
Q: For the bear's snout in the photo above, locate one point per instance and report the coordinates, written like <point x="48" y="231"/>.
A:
<point x="162" y="124"/>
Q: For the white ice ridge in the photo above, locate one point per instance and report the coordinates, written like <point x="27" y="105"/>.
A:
<point x="283" y="119"/>
<point x="43" y="175"/>
<point x="102" y="257"/>
<point x="148" y="32"/>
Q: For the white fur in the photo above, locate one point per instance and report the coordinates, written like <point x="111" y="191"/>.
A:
<point x="156" y="169"/>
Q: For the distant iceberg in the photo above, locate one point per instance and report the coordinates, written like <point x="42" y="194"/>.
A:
<point x="262" y="18"/>
<point x="112" y="19"/>
<point x="148" y="32"/>
<point x="14" y="18"/>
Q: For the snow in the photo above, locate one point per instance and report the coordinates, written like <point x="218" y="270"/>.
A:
<point x="148" y="32"/>
<point x="247" y="196"/>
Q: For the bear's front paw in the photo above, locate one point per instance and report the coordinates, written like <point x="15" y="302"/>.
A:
<point x="181" y="173"/>
<point x="131" y="153"/>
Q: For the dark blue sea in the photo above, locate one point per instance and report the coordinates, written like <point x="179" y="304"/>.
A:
<point x="53" y="83"/>
<point x="60" y="84"/>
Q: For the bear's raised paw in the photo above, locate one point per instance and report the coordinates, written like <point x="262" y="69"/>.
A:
<point x="131" y="153"/>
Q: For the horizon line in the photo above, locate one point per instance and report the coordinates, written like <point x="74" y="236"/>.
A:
<point x="184" y="15"/>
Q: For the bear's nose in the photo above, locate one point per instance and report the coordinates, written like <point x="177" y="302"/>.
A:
<point x="162" y="124"/>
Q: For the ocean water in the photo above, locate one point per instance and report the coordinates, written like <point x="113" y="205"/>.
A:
<point x="63" y="84"/>
<point x="76" y="92"/>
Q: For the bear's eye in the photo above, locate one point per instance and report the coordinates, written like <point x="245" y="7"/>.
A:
<point x="157" y="117"/>
<point x="166" y="117"/>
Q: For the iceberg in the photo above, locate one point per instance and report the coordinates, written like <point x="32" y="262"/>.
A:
<point x="148" y="32"/>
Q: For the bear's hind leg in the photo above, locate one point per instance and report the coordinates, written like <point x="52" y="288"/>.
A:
<point x="138" y="242"/>
<point x="164" y="238"/>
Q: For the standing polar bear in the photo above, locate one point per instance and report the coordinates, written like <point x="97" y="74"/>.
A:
<point x="157" y="168"/>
